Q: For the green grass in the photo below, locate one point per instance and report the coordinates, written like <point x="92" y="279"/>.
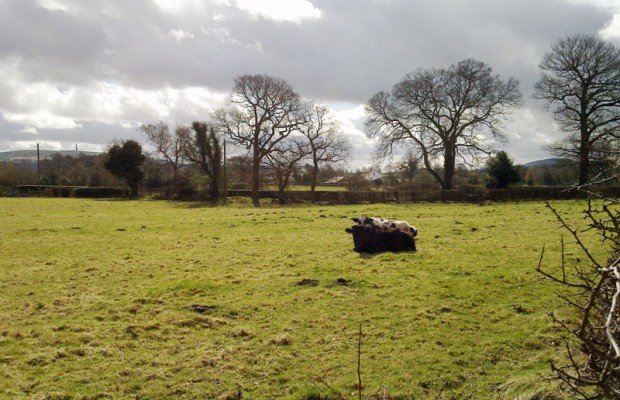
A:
<point x="96" y="301"/>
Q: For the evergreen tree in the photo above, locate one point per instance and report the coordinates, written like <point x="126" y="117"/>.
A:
<point x="501" y="171"/>
<point x="125" y="161"/>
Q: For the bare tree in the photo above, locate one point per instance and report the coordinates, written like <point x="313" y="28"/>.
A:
<point x="170" y="147"/>
<point x="601" y="154"/>
<point x="408" y="165"/>
<point x="580" y="82"/>
<point x="325" y="138"/>
<point x="444" y="114"/>
<point x="239" y="171"/>
<point x="285" y="160"/>
<point x="204" y="148"/>
<point x="265" y="110"/>
<point x="592" y="290"/>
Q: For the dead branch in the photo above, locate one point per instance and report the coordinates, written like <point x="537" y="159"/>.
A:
<point x="592" y="290"/>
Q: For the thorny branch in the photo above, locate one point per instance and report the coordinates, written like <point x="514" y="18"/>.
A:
<point x="592" y="369"/>
<point x="609" y="324"/>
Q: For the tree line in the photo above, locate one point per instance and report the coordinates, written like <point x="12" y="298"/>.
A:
<point x="443" y="118"/>
<point x="457" y="112"/>
<point x="265" y="117"/>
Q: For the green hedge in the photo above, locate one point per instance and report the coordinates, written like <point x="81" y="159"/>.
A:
<point x="468" y="195"/>
<point x="70" y="191"/>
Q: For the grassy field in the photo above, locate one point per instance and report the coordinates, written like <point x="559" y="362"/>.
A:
<point x="99" y="300"/>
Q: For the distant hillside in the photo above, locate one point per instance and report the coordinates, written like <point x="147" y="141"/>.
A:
<point x="542" y="163"/>
<point x="31" y="155"/>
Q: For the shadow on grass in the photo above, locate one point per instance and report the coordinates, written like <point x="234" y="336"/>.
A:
<point x="118" y="199"/>
<point x="368" y="256"/>
<point x="229" y="202"/>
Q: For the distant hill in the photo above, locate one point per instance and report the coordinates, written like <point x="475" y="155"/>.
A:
<point x="543" y="163"/>
<point x="31" y="155"/>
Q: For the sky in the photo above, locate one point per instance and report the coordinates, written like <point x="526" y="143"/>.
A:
<point x="89" y="72"/>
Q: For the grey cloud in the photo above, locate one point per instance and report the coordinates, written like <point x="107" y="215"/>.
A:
<point x="354" y="50"/>
<point x="49" y="44"/>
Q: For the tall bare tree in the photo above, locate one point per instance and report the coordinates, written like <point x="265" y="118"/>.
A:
<point x="580" y="82"/>
<point x="325" y="138"/>
<point x="264" y="111"/>
<point x="204" y="148"/>
<point x="444" y="114"/>
<point x="171" y="148"/>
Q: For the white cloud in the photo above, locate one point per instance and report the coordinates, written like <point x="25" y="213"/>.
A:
<point x="41" y="120"/>
<point x="32" y="145"/>
<point x="179" y="34"/>
<point x="44" y="105"/>
<point x="177" y="6"/>
<point x="29" y="130"/>
<point x="290" y="10"/>
<point x="53" y="5"/>
<point x="351" y="118"/>
<point x="612" y="30"/>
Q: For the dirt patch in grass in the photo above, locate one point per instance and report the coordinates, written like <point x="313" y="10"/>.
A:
<point x="201" y="309"/>
<point x="343" y="282"/>
<point x="308" y="282"/>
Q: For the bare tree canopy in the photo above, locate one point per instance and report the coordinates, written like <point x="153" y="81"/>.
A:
<point x="444" y="113"/>
<point x="580" y="82"/>
<point x="285" y="160"/>
<point x="170" y="147"/>
<point x="264" y="111"/>
<point x="408" y="165"/>
<point x="325" y="138"/>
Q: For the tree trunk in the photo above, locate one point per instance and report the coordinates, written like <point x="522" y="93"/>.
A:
<point x="584" y="160"/>
<point x="283" y="182"/>
<point x="315" y="172"/>
<point x="175" y="179"/>
<point x="133" y="186"/>
<point x="255" y="178"/>
<point x="448" y="168"/>
<point x="215" y="183"/>
<point x="281" y="194"/>
<point x="216" y="174"/>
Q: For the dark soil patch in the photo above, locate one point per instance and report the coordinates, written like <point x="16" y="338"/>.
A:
<point x="200" y="309"/>
<point x="342" y="282"/>
<point x="308" y="282"/>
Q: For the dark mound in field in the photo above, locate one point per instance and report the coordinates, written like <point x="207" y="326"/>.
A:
<point x="200" y="309"/>
<point x="342" y="282"/>
<point x="308" y="282"/>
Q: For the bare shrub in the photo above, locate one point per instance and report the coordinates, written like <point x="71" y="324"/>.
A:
<point x="592" y="290"/>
